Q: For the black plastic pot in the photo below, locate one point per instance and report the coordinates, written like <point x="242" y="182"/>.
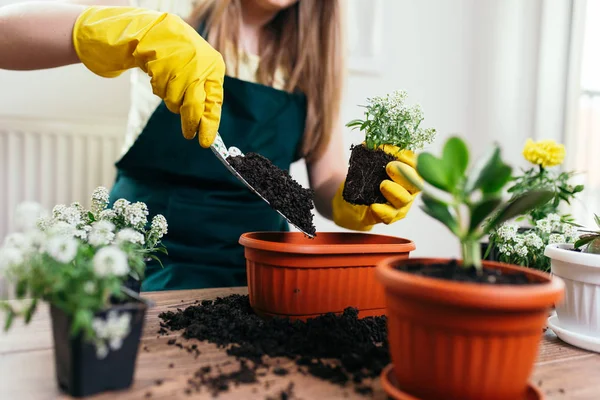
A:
<point x="133" y="284"/>
<point x="79" y="372"/>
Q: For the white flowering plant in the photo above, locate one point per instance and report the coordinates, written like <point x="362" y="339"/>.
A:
<point x="125" y="223"/>
<point x="79" y="260"/>
<point x="526" y="248"/>
<point x="389" y="120"/>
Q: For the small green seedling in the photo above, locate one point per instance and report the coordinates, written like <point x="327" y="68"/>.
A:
<point x="590" y="239"/>
<point x="476" y="203"/>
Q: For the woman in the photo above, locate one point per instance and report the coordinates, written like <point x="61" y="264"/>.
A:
<point x="280" y="98"/>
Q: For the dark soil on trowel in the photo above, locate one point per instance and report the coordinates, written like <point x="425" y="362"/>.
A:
<point x="452" y="271"/>
<point x="282" y="192"/>
<point x="341" y="349"/>
<point x="365" y="174"/>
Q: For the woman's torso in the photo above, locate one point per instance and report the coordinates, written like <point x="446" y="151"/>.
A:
<point x="206" y="207"/>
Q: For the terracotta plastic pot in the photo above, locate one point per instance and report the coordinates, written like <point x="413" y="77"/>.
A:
<point x="292" y="276"/>
<point x="455" y="340"/>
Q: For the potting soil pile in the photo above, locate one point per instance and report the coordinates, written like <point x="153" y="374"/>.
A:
<point x="278" y="188"/>
<point x="340" y="349"/>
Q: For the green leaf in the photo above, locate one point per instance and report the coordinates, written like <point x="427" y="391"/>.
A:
<point x="157" y="259"/>
<point x="10" y="316"/>
<point x="520" y="205"/>
<point x="83" y="319"/>
<point x="597" y="220"/>
<point x="456" y="157"/>
<point x="162" y="250"/>
<point x="484" y="169"/>
<point x="481" y="210"/>
<point x="439" y="211"/>
<point x="496" y="181"/>
<point x="30" y="311"/>
<point x="585" y="239"/>
<point x="433" y="171"/>
<point x="21" y="289"/>
<point x="91" y="216"/>
<point x="354" y="123"/>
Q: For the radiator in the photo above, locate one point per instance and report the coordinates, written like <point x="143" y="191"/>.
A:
<point x="54" y="162"/>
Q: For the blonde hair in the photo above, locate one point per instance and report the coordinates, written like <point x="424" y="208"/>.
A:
<point x="305" y="40"/>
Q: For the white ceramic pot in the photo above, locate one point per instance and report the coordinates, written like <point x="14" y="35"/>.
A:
<point x="579" y="311"/>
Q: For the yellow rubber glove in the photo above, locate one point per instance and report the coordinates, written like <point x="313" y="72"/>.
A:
<point x="186" y="72"/>
<point x="398" y="191"/>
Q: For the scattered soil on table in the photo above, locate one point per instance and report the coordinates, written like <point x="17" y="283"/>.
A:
<point x="286" y="394"/>
<point x="452" y="271"/>
<point x="337" y="348"/>
<point x="277" y="186"/>
<point x="365" y="174"/>
<point x="222" y="382"/>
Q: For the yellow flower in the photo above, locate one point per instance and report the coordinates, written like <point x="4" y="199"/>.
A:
<point x="546" y="153"/>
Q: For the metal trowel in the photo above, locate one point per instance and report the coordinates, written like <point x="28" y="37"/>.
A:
<point x="222" y="152"/>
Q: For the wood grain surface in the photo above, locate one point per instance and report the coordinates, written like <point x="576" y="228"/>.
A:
<point x="162" y="372"/>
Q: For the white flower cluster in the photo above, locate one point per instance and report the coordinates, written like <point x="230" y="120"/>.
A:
<point x="136" y="215"/>
<point x="102" y="233"/>
<point x="548" y="230"/>
<point x="395" y="122"/>
<point x="100" y="198"/>
<point x="159" y="226"/>
<point x="112" y="330"/>
<point x="110" y="261"/>
<point x="126" y="214"/>
<point x="131" y="236"/>
<point x="61" y="233"/>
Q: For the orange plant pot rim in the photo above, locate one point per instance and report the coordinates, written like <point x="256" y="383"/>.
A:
<point x="471" y="295"/>
<point x="326" y="243"/>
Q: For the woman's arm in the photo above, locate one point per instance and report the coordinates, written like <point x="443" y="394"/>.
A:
<point x="327" y="173"/>
<point x="111" y="40"/>
<point x="37" y="35"/>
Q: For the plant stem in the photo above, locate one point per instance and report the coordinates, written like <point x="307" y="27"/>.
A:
<point x="471" y="254"/>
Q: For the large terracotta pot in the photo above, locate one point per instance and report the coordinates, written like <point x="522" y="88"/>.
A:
<point x="292" y="276"/>
<point x="454" y="340"/>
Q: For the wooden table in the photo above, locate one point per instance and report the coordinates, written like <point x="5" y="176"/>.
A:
<point x="27" y="367"/>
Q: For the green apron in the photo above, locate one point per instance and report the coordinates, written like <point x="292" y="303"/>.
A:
<point x="206" y="207"/>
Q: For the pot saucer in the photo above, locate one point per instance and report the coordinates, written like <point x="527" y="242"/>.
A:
<point x="390" y="386"/>
<point x="585" y="342"/>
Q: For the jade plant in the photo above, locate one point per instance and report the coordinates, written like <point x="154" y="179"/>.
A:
<point x="473" y="203"/>
<point x="389" y="126"/>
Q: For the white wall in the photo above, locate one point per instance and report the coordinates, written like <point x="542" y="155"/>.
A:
<point x="471" y="64"/>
